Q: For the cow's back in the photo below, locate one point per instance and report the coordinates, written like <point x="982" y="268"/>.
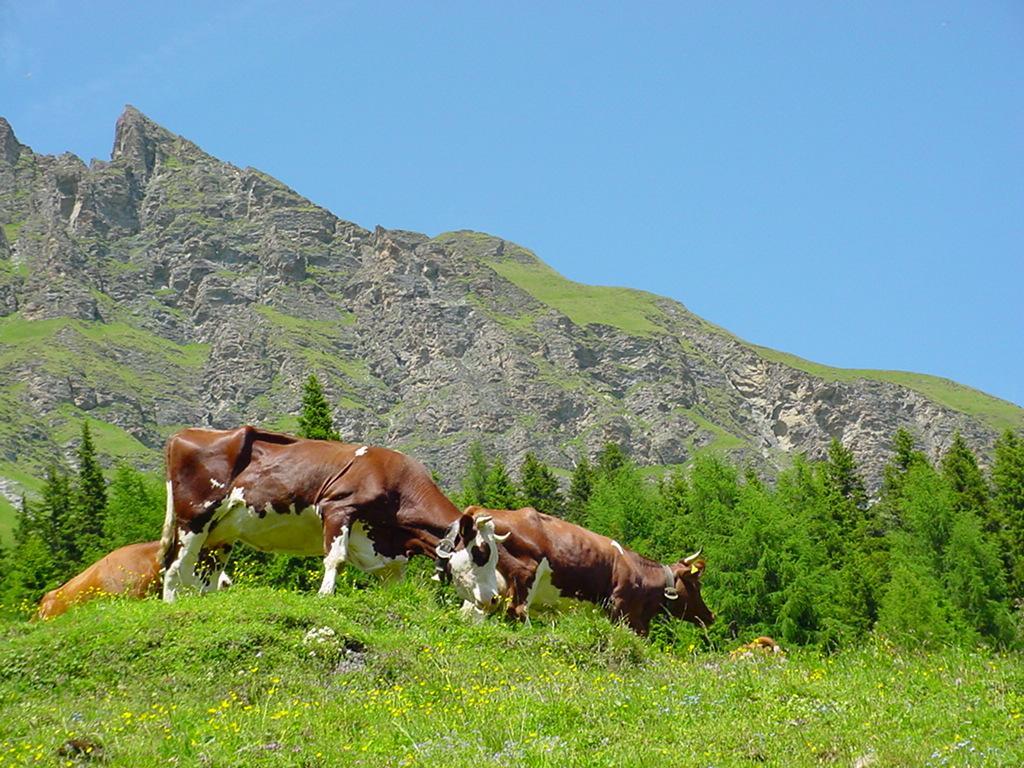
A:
<point x="582" y="562"/>
<point x="132" y="570"/>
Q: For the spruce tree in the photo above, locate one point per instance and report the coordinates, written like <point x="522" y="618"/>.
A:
<point x="500" y="491"/>
<point x="84" y="529"/>
<point x="611" y="459"/>
<point x="474" y="486"/>
<point x="970" y="491"/>
<point x="54" y="518"/>
<point x="539" y="487"/>
<point x="315" y="421"/>
<point x="135" y="508"/>
<point x="1008" y="507"/>
<point x="580" y="488"/>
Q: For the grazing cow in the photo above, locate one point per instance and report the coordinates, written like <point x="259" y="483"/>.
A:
<point x="368" y="506"/>
<point x="133" y="570"/>
<point x="544" y="560"/>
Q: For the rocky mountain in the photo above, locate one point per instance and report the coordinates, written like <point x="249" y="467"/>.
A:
<point x="167" y="288"/>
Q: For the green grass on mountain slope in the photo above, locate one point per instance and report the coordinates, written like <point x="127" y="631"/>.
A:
<point x="391" y="676"/>
<point x="35" y="341"/>
<point x="633" y="311"/>
<point x="999" y="414"/>
<point x="630" y="310"/>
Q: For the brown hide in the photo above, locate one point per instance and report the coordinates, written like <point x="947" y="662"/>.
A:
<point x="133" y="570"/>
<point x="588" y="566"/>
<point x="393" y="495"/>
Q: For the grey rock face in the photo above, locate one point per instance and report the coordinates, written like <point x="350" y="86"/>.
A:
<point x="166" y="288"/>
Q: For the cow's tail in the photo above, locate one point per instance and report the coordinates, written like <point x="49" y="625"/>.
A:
<point x="168" y="539"/>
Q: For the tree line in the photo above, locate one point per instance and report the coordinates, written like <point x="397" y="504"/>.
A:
<point x="937" y="557"/>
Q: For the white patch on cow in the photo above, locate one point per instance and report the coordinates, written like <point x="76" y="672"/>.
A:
<point x="269" y="531"/>
<point x="618" y="547"/>
<point x="362" y="451"/>
<point x="215" y="483"/>
<point x="543" y="593"/>
<point x="364" y="556"/>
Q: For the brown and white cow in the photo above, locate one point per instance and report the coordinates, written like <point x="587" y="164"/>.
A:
<point x="133" y="570"/>
<point x="543" y="560"/>
<point x="368" y="506"/>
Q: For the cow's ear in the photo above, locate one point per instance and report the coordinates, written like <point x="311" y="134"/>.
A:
<point x="467" y="529"/>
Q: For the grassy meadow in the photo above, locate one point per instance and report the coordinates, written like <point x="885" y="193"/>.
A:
<point x="389" y="675"/>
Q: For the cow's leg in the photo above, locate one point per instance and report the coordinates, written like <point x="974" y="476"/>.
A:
<point x="622" y="609"/>
<point x="182" y="572"/>
<point x="337" y="525"/>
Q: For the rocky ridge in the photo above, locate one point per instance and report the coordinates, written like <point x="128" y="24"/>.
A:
<point x="167" y="288"/>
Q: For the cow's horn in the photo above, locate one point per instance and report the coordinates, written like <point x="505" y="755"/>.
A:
<point x="689" y="560"/>
<point x="671" y="593"/>
<point x="500" y="537"/>
<point x="481" y="520"/>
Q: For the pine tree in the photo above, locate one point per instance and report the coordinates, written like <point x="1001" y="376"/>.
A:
<point x="1008" y="507"/>
<point x="54" y="518"/>
<point x="135" y="508"/>
<point x="474" y="486"/>
<point x="580" y="488"/>
<point x="842" y="479"/>
<point x="83" y="531"/>
<point x="611" y="459"/>
<point x="315" y="421"/>
<point x="539" y="487"/>
<point x="960" y="469"/>
<point x="500" y="491"/>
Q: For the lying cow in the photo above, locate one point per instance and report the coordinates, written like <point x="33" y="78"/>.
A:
<point x="543" y="560"/>
<point x="368" y="506"/>
<point x="133" y="571"/>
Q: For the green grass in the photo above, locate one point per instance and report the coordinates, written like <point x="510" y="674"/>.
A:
<point x="11" y="230"/>
<point x="633" y="311"/>
<point x="999" y="414"/>
<point x="397" y="679"/>
<point x="8" y="519"/>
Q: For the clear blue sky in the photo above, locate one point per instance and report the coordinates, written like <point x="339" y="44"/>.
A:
<point x="843" y="181"/>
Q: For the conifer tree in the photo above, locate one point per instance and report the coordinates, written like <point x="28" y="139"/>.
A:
<point x="315" y="421"/>
<point x="474" y="486"/>
<point x="842" y="479"/>
<point x="500" y="491"/>
<point x="1008" y="506"/>
<point x="611" y="459"/>
<point x="53" y="518"/>
<point x="135" y="508"/>
<point x="580" y="488"/>
<point x="960" y="469"/>
<point x="539" y="487"/>
<point x="83" y="530"/>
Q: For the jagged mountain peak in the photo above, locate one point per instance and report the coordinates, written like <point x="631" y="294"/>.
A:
<point x="10" y="147"/>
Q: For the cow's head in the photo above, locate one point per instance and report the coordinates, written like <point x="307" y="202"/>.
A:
<point x="682" y="594"/>
<point x="470" y="560"/>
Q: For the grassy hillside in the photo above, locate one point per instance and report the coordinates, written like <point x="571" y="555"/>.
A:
<point x="389" y="676"/>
